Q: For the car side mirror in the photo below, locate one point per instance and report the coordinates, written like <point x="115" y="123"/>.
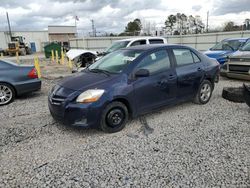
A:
<point x="142" y="73"/>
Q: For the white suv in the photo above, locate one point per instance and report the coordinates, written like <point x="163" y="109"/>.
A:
<point x="135" y="42"/>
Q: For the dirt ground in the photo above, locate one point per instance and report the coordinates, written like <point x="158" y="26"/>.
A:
<point x="187" y="145"/>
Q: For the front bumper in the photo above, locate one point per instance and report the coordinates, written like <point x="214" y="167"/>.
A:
<point x="240" y="76"/>
<point x="75" y="114"/>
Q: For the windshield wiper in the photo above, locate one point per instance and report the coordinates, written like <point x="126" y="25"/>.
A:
<point x="100" y="71"/>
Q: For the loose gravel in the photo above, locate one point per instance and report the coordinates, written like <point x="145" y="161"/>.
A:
<point x="186" y="145"/>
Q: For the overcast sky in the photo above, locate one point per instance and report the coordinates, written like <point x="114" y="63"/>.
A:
<point x="113" y="15"/>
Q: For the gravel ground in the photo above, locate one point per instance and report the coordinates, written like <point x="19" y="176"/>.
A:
<point x="182" y="146"/>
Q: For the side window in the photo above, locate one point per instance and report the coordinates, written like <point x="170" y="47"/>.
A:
<point x="196" y="58"/>
<point x="155" y="62"/>
<point x="183" y="56"/>
<point x="156" y="41"/>
<point x="138" y="42"/>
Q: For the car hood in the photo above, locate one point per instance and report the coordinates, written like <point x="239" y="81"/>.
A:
<point x="74" y="53"/>
<point x="85" y="80"/>
<point x="240" y="54"/>
<point x="216" y="53"/>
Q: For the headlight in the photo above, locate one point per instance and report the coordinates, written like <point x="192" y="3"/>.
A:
<point x="91" y="95"/>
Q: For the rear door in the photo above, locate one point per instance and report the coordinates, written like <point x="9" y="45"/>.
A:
<point x="159" y="88"/>
<point x="190" y="72"/>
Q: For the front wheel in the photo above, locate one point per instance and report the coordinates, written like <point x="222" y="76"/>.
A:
<point x="204" y="93"/>
<point x="114" y="117"/>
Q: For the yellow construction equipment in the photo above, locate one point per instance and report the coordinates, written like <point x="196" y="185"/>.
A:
<point x="17" y="45"/>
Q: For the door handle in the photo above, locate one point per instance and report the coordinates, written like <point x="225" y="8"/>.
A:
<point x="161" y="82"/>
<point x="199" y="69"/>
<point x="171" y="77"/>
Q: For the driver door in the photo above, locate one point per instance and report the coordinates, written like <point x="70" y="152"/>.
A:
<point x="157" y="89"/>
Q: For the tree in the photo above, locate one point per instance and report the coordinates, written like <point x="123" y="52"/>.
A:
<point x="134" y="27"/>
<point x="169" y="23"/>
<point x="230" y="26"/>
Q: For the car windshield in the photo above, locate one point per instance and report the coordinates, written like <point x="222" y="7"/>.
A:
<point x="246" y="47"/>
<point x="116" y="46"/>
<point x="230" y="45"/>
<point x="115" y="62"/>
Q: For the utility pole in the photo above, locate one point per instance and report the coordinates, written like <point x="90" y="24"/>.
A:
<point x="9" y="25"/>
<point x="207" y="20"/>
<point x="93" y="28"/>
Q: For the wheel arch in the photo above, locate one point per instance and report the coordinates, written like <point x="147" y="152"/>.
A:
<point x="11" y="86"/>
<point x="126" y="103"/>
<point x="210" y="79"/>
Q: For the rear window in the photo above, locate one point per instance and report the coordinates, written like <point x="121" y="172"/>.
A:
<point x="183" y="56"/>
<point x="156" y="41"/>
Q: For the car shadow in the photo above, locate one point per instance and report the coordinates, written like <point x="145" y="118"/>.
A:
<point x="29" y="95"/>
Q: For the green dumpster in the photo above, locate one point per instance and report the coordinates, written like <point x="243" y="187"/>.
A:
<point x="52" y="46"/>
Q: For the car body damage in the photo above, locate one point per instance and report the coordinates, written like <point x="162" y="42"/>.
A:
<point x="81" y="58"/>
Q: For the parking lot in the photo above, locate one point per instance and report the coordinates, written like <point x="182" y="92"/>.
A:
<point x="185" y="145"/>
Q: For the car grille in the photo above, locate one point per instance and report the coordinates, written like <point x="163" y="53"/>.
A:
<point x="239" y="68"/>
<point x="240" y="59"/>
<point x="57" y="100"/>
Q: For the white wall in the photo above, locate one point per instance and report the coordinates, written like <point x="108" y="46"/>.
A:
<point x="205" y="41"/>
<point x="3" y="43"/>
<point x="62" y="29"/>
<point x="39" y="37"/>
<point x="199" y="41"/>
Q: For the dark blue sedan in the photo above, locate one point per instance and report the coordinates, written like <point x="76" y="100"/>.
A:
<point x="131" y="82"/>
<point x="16" y="80"/>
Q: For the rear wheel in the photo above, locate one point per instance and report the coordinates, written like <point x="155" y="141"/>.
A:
<point x="114" y="117"/>
<point x="7" y="94"/>
<point x="204" y="93"/>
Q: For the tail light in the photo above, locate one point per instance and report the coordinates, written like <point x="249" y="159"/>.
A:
<point x="33" y="74"/>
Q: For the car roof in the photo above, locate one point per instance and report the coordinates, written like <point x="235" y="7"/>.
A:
<point x="151" y="46"/>
<point x="141" y="38"/>
<point x="228" y="39"/>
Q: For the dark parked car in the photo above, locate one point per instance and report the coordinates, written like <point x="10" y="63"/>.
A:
<point x="131" y="82"/>
<point x="16" y="80"/>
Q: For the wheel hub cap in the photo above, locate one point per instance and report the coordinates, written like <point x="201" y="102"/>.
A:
<point x="5" y="94"/>
<point x="115" y="117"/>
<point x="205" y="92"/>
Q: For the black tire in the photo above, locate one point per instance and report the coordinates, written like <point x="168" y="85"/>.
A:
<point x="9" y="90"/>
<point x="233" y="94"/>
<point x="204" y="92"/>
<point x="114" y="117"/>
<point x="246" y="94"/>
